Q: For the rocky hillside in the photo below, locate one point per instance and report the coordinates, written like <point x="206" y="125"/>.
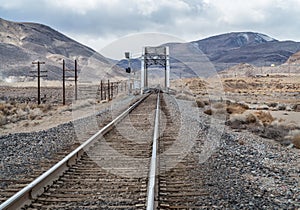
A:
<point x="228" y="50"/>
<point x="246" y="47"/>
<point x="22" y="43"/>
<point x="288" y="68"/>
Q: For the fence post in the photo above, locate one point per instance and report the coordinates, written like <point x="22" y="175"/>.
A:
<point x="108" y="90"/>
<point x="112" y="90"/>
<point x="101" y="90"/>
<point x="76" y="79"/>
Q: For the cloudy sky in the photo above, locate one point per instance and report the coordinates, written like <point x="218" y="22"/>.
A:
<point x="96" y="23"/>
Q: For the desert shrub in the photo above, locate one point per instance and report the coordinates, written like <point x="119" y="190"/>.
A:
<point x="32" y="106"/>
<point x="21" y="114"/>
<point x="3" y="119"/>
<point x="274" y="132"/>
<point x="200" y="103"/>
<point x="35" y="113"/>
<point x="208" y="111"/>
<point x="45" y="107"/>
<point x="23" y="107"/>
<point x="251" y="118"/>
<point x="240" y="121"/>
<point x="265" y="117"/>
<point x="296" y="141"/>
<point x="5" y="110"/>
<point x="236" y="108"/>
<point x="219" y="105"/>
<point x="2" y="106"/>
<point x="296" y="107"/>
<point x="294" y="137"/>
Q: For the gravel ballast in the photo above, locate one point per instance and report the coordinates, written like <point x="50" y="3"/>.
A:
<point x="244" y="172"/>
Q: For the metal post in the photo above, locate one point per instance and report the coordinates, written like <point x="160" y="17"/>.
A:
<point x="39" y="83"/>
<point x="101" y="90"/>
<point x="129" y="79"/>
<point x="64" y="85"/>
<point x="167" y="68"/>
<point x="104" y="98"/>
<point x="75" y="79"/>
<point x="112" y="90"/>
<point x="143" y="71"/>
<point x="108" y="91"/>
<point x="146" y="75"/>
<point x="127" y="55"/>
<point x="39" y="78"/>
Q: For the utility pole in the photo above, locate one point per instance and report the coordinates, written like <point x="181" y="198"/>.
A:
<point x="76" y="78"/>
<point x="64" y="80"/>
<point x="64" y="85"/>
<point x="108" y="91"/>
<point x="101" y="90"/>
<point x="39" y="78"/>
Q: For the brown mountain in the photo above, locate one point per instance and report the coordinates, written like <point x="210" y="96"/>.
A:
<point x="228" y="50"/>
<point x="22" y="43"/>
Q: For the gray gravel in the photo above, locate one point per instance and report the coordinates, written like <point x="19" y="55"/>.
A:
<point x="245" y="171"/>
<point x="21" y="153"/>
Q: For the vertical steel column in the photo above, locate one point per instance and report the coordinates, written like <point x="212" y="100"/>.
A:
<point x="167" y="68"/>
<point x="129" y="77"/>
<point x="101" y="90"/>
<point x="112" y="90"/>
<point x="108" y="91"/>
<point x="143" y="71"/>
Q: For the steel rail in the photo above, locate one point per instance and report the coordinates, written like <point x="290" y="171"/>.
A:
<point x="153" y="166"/>
<point x="35" y="188"/>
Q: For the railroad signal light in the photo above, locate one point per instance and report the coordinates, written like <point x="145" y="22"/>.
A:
<point x="128" y="70"/>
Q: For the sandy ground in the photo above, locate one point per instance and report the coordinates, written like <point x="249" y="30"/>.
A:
<point x="290" y="117"/>
<point x="250" y="90"/>
<point x="59" y="115"/>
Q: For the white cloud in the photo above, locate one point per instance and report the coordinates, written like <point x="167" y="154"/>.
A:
<point x="95" y="22"/>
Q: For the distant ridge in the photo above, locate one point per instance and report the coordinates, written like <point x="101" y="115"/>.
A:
<point x="21" y="43"/>
<point x="231" y="49"/>
<point x="246" y="47"/>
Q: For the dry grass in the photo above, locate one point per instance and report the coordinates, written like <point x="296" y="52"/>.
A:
<point x="296" y="141"/>
<point x="12" y="112"/>
<point x="208" y="111"/>
<point x="236" y="108"/>
<point x="265" y="117"/>
<point x="219" y="105"/>
<point x="224" y="108"/>
<point x="294" y="137"/>
<point x="239" y="121"/>
<point x="200" y="103"/>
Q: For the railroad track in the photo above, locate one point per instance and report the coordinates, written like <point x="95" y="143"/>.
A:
<point x="126" y="166"/>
